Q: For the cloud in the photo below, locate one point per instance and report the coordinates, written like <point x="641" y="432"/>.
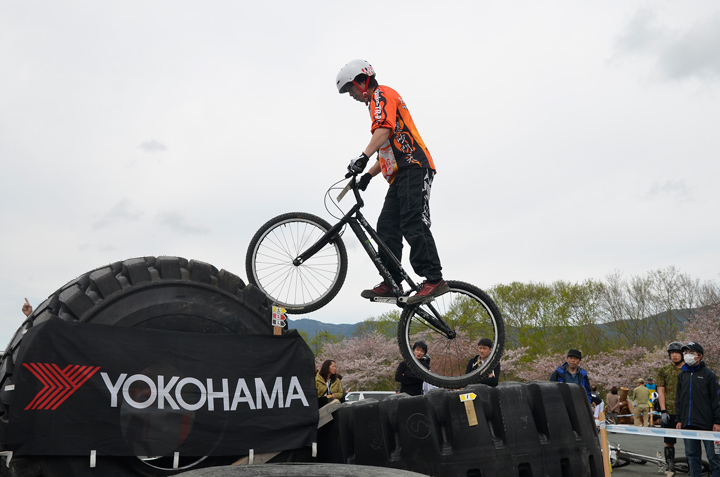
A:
<point x="178" y="223"/>
<point x="122" y="211"/>
<point x="675" y="189"/>
<point x="153" y="146"/>
<point x="692" y="52"/>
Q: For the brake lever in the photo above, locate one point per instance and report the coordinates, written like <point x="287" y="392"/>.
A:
<point x="347" y="189"/>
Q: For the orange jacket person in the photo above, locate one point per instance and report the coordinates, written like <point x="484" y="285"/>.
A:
<point x="406" y="163"/>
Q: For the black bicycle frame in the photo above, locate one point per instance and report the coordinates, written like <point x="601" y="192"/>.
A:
<point x="359" y="225"/>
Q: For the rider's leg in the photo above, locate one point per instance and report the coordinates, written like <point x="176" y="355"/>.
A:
<point x="414" y="195"/>
<point x="670" y="457"/>
<point x="389" y="231"/>
<point x="670" y="445"/>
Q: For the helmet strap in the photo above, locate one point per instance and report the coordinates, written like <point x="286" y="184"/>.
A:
<point x="364" y="90"/>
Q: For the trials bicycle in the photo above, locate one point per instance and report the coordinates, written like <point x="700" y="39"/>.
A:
<point x="300" y="262"/>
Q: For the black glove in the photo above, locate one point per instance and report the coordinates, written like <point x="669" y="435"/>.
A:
<point x="665" y="417"/>
<point x="357" y="165"/>
<point x="364" y="181"/>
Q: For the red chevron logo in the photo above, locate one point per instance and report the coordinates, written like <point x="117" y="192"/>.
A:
<point x="59" y="384"/>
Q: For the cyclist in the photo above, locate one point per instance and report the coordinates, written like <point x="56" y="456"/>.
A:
<point x="667" y="384"/>
<point x="405" y="162"/>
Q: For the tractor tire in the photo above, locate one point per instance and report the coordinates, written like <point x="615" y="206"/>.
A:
<point x="161" y="293"/>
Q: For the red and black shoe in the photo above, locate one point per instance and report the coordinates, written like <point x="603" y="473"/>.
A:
<point x="429" y="292"/>
<point x="381" y="290"/>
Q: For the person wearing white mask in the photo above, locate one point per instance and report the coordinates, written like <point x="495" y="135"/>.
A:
<point x="697" y="406"/>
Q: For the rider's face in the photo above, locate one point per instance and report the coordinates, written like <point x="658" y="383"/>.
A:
<point x="419" y="353"/>
<point x="676" y="357"/>
<point x="355" y="93"/>
<point x="573" y="362"/>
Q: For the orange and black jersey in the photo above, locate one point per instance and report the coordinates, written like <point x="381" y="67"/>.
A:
<point x="405" y="147"/>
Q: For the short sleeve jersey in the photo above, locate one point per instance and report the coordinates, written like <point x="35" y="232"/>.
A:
<point x="405" y="147"/>
<point x="668" y="378"/>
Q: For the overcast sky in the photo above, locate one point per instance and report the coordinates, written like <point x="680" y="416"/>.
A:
<point x="572" y="139"/>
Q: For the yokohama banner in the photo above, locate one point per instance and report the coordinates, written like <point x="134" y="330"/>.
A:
<point x="133" y="391"/>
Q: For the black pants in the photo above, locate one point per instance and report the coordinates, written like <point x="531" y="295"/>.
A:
<point x="406" y="213"/>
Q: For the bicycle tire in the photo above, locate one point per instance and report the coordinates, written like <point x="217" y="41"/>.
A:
<point x="473" y="315"/>
<point x="297" y="288"/>
<point x="682" y="467"/>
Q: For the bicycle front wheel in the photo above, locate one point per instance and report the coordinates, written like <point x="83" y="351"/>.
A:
<point x="297" y="288"/>
<point x="470" y="314"/>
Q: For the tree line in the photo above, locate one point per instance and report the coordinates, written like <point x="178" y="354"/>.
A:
<point x="617" y="322"/>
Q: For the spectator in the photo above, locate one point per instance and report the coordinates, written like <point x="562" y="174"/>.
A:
<point x="697" y="407"/>
<point x="27" y="308"/>
<point x="409" y="383"/>
<point x="484" y="347"/>
<point x="328" y="383"/>
<point x="667" y="384"/>
<point x="650" y="384"/>
<point x="640" y="395"/>
<point x="613" y="404"/>
<point x="571" y="372"/>
<point x="598" y="406"/>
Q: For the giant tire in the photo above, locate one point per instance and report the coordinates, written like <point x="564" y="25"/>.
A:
<point x="297" y="288"/>
<point x="536" y="428"/>
<point x="166" y="293"/>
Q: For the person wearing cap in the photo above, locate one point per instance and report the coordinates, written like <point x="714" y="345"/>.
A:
<point x="409" y="383"/>
<point x="571" y="372"/>
<point x="641" y="409"/>
<point x="667" y="383"/>
<point x="484" y="348"/>
<point x="697" y="407"/>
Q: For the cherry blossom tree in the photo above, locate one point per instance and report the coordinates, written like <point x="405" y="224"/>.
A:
<point x="705" y="329"/>
<point x="366" y="362"/>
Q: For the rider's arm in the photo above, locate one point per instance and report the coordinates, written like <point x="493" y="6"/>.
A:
<point x="374" y="169"/>
<point x="661" y="397"/>
<point x="380" y="135"/>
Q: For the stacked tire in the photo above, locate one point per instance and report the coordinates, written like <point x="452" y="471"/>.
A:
<point x="165" y="293"/>
<point x="523" y="429"/>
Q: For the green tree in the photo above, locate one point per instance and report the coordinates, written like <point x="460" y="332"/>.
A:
<point x="550" y="318"/>
<point x="317" y="341"/>
<point x="385" y="324"/>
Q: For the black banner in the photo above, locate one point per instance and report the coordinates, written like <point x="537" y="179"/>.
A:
<point x="133" y="391"/>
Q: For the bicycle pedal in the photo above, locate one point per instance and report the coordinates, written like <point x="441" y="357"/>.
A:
<point x="385" y="299"/>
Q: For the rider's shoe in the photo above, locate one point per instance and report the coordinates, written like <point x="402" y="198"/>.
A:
<point x="381" y="290"/>
<point x="428" y="292"/>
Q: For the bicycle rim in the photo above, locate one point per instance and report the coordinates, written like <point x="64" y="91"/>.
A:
<point x="302" y="288"/>
<point x="472" y="315"/>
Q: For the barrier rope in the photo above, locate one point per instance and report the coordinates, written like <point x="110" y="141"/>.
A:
<point x="660" y="432"/>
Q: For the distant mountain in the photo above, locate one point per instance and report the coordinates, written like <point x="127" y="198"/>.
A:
<point x="311" y="326"/>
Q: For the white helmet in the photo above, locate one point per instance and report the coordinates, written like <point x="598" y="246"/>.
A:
<point x="350" y="71"/>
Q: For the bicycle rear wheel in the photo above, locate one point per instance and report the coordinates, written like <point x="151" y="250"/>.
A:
<point x="682" y="467"/>
<point x="297" y="288"/>
<point x="472" y="315"/>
